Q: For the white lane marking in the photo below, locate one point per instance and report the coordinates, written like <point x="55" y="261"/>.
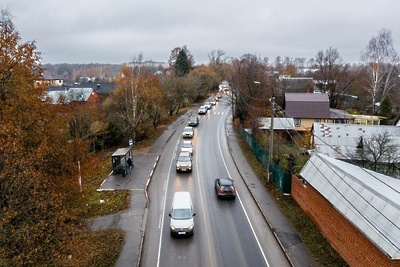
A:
<point x="240" y="201"/>
<point x="163" y="204"/>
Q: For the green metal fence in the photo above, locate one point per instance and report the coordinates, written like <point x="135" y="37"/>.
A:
<point x="281" y="179"/>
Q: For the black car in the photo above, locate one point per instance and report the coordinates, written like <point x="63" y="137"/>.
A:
<point x="224" y="187"/>
<point x="193" y="121"/>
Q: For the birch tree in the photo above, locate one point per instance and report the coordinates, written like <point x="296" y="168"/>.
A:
<point x="380" y="59"/>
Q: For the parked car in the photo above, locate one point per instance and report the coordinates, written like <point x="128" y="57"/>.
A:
<point x="193" y="121"/>
<point x="202" y="110"/>
<point x="184" y="162"/>
<point x="207" y="105"/>
<point x="188" y="132"/>
<point x="224" y="187"/>
<point x="187" y="146"/>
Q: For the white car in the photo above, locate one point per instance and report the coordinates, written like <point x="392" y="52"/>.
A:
<point x="207" y="105"/>
<point x="202" y="110"/>
<point x="188" y="132"/>
<point x="187" y="146"/>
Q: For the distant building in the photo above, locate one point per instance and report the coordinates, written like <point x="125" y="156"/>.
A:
<point x="75" y="96"/>
<point x="307" y="108"/>
<point x="49" y="79"/>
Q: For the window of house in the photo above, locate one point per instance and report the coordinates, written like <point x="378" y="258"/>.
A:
<point x="297" y="122"/>
<point x="317" y="120"/>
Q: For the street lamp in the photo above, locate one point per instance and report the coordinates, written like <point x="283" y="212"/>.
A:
<point x="271" y="136"/>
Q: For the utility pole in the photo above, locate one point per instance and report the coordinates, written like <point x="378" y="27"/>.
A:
<point x="271" y="136"/>
<point x="271" y="139"/>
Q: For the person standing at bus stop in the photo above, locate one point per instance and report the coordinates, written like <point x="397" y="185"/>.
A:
<point x="130" y="164"/>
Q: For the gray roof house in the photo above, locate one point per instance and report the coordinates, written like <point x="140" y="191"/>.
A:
<point x="307" y="108"/>
<point x="307" y="105"/>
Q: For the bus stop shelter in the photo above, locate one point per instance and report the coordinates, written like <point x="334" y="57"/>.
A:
<point x="119" y="160"/>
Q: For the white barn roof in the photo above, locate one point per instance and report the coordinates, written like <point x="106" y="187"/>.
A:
<point x="340" y="140"/>
<point x="369" y="200"/>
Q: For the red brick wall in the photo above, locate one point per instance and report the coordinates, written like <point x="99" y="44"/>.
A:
<point x="354" y="247"/>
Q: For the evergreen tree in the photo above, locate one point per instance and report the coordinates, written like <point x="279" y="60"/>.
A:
<point x="182" y="65"/>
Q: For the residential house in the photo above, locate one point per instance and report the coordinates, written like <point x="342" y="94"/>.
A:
<point x="75" y="96"/>
<point x="50" y="79"/>
<point x="307" y="108"/>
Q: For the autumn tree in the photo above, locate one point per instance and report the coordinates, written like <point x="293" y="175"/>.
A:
<point x="175" y="90"/>
<point x="203" y="79"/>
<point x="38" y="174"/>
<point x="252" y="87"/>
<point x="155" y="107"/>
<point x="133" y="105"/>
<point x="334" y="76"/>
<point x="380" y="59"/>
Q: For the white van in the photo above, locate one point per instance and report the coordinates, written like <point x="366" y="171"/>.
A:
<point x="181" y="214"/>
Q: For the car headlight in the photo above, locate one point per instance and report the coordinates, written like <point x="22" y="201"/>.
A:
<point x="172" y="228"/>
<point x="191" y="227"/>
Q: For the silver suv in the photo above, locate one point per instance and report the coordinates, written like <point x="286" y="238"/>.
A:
<point x="188" y="132"/>
<point x="184" y="162"/>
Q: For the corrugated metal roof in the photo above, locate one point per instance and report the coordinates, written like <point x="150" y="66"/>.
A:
<point x="79" y="94"/>
<point x="369" y="200"/>
<point x="279" y="123"/>
<point x="307" y="105"/>
<point x="341" y="140"/>
<point x="73" y="94"/>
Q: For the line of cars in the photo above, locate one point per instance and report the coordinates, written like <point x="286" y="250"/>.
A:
<point x="203" y="109"/>
<point x="181" y="213"/>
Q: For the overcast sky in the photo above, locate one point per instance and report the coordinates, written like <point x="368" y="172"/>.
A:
<point x="106" y="31"/>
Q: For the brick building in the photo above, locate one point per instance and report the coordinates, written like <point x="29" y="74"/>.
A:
<point x="356" y="209"/>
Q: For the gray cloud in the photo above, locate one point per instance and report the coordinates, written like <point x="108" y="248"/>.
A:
<point x="104" y="31"/>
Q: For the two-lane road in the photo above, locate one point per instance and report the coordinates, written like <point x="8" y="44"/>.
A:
<point x="226" y="232"/>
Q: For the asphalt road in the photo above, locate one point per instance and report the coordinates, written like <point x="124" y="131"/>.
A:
<point x="227" y="232"/>
<point x="249" y="231"/>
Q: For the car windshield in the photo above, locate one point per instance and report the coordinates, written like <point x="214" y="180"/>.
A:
<point x="181" y="214"/>
<point x="186" y="145"/>
<point x="183" y="158"/>
<point x="188" y="130"/>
